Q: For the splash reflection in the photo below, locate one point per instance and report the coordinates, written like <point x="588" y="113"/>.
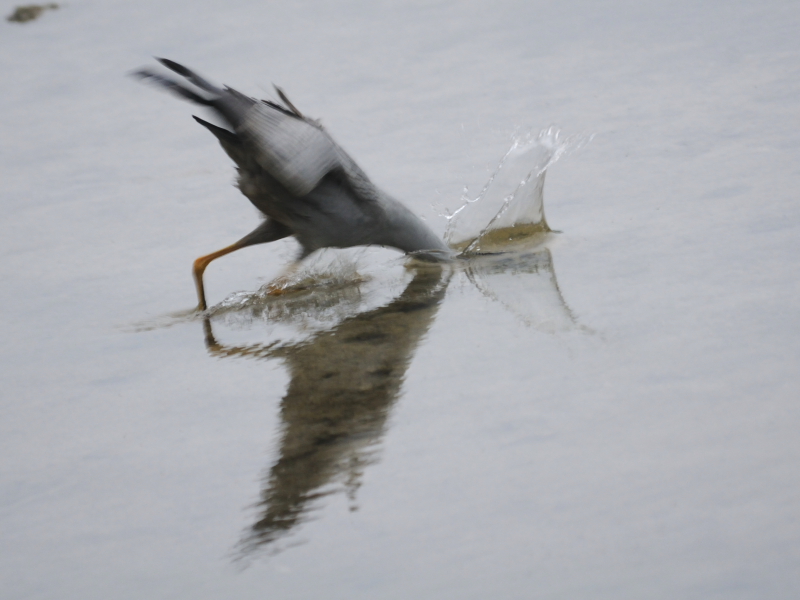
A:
<point x="523" y="280"/>
<point x="343" y="384"/>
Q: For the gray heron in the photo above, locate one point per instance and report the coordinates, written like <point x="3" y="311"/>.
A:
<point x="298" y="177"/>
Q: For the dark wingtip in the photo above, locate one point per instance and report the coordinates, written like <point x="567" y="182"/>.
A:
<point x="222" y="134"/>
<point x="139" y="73"/>
<point x="172" y="86"/>
<point x="188" y="74"/>
<point x="172" y="65"/>
<point x="282" y="95"/>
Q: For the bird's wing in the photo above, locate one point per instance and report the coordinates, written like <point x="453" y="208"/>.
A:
<point x="297" y="153"/>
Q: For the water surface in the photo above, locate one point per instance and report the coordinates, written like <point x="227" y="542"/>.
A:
<point x="605" y="412"/>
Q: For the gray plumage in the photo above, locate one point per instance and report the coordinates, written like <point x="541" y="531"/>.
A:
<point x="299" y="177"/>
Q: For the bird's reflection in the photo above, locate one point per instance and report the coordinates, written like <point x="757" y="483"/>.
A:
<point x="345" y="379"/>
<point x="343" y="383"/>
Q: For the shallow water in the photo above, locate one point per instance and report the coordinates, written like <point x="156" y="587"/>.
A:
<point x="607" y="411"/>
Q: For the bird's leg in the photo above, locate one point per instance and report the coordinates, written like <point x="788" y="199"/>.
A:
<point x="200" y="265"/>
<point x="269" y="231"/>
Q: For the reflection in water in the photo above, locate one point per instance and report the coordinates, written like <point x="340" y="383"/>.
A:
<point x="523" y="280"/>
<point x="346" y="371"/>
<point x="345" y="379"/>
<point x="343" y="384"/>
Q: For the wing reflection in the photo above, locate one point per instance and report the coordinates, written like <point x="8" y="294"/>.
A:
<point x="343" y="384"/>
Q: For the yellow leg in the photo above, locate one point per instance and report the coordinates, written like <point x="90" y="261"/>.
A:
<point x="200" y="265"/>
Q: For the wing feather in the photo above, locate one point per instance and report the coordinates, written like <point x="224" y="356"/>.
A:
<point x="297" y="153"/>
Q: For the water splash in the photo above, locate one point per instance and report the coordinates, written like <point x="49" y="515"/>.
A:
<point x="511" y="204"/>
<point x="331" y="287"/>
<point x="324" y="272"/>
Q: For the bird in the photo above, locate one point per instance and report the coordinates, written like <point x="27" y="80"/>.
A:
<point x="303" y="183"/>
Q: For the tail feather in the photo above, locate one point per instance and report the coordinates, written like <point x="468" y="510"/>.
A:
<point x="227" y="102"/>
<point x="173" y="86"/>
<point x="196" y="79"/>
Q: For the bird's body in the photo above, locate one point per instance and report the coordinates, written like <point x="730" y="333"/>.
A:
<point x="304" y="183"/>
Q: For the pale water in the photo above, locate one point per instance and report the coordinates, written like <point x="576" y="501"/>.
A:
<point x="604" y="412"/>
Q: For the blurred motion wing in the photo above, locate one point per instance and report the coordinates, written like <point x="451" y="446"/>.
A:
<point x="293" y="150"/>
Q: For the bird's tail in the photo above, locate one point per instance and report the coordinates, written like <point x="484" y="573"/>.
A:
<point x="179" y="88"/>
<point x="229" y="103"/>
